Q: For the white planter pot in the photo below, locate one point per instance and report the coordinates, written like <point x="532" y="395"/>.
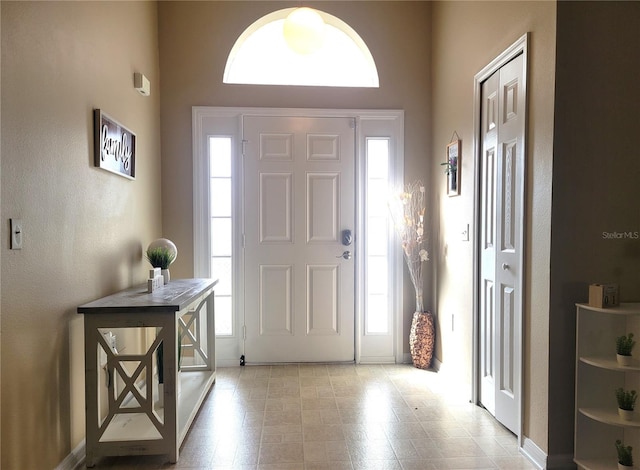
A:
<point x="624" y="360"/>
<point x="627" y="415"/>
<point x="624" y="467"/>
<point x="166" y="275"/>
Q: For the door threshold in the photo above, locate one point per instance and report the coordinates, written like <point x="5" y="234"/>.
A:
<point x="323" y="363"/>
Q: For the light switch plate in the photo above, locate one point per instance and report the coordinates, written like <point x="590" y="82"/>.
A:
<point x="464" y="234"/>
<point x="16" y="234"/>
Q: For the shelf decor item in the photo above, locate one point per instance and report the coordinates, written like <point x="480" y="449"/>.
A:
<point x="452" y="167"/>
<point x="625" y="456"/>
<point x="603" y="295"/>
<point x="408" y="213"/>
<point x="155" y="281"/>
<point x="624" y="346"/>
<point x="626" y="403"/>
<point x="422" y="339"/>
<point x="161" y="253"/>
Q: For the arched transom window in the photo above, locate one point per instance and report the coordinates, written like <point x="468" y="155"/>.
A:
<point x="338" y="57"/>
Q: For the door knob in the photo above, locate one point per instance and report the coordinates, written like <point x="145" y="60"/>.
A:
<point x="505" y="266"/>
<point x="345" y="255"/>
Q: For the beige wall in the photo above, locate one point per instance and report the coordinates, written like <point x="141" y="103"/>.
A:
<point x="596" y="171"/>
<point x="195" y="40"/>
<point x="84" y="228"/>
<point x="60" y="60"/>
<point x="466" y="37"/>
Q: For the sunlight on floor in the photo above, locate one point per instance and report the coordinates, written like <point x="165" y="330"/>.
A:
<point x="337" y="417"/>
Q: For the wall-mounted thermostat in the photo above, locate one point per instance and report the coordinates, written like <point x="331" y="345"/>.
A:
<point x="141" y="83"/>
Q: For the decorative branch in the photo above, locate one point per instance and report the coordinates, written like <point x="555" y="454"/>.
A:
<point x="407" y="211"/>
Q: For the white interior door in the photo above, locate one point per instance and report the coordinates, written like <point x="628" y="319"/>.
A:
<point x="299" y="197"/>
<point x="500" y="238"/>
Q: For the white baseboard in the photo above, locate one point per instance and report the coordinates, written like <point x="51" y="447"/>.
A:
<point x="368" y="360"/>
<point x="406" y="359"/>
<point x="534" y="453"/>
<point x="546" y="462"/>
<point x="75" y="460"/>
<point x="235" y="362"/>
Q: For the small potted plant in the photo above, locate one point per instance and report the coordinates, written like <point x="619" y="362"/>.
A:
<point x="450" y="166"/>
<point x="624" y="345"/>
<point x="161" y="257"/>
<point x="625" y="458"/>
<point x="626" y="403"/>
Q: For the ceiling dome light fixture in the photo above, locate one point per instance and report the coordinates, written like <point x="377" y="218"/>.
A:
<point x="304" y="30"/>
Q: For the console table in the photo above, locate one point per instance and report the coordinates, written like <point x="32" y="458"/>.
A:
<point x="128" y="410"/>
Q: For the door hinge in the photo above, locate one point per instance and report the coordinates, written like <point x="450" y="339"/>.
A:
<point x="353" y="123"/>
<point x="244" y="240"/>
<point x="244" y="332"/>
<point x="244" y="146"/>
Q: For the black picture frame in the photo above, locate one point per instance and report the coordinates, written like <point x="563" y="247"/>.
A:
<point x="114" y="146"/>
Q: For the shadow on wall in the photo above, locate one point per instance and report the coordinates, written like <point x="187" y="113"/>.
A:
<point x="122" y="268"/>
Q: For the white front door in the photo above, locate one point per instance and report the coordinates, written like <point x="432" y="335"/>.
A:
<point x="299" y="197"/>
<point x="502" y="169"/>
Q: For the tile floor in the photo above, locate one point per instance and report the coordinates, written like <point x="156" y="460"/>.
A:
<point x="335" y="417"/>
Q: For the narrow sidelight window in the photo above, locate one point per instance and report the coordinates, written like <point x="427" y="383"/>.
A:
<point x="220" y="208"/>
<point x="377" y="318"/>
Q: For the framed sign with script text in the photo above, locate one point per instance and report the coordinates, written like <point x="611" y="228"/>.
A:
<point x="114" y="146"/>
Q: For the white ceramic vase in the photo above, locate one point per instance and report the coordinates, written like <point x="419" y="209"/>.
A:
<point x="166" y="275"/>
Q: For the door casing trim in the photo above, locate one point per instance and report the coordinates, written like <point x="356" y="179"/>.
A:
<point x="519" y="47"/>
<point x="201" y="235"/>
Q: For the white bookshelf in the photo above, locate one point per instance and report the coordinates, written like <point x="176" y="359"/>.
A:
<point x="598" y="375"/>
